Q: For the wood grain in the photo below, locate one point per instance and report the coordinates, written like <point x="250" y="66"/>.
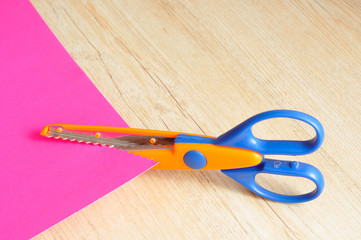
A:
<point x="203" y="67"/>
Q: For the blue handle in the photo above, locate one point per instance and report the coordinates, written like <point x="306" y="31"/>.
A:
<point x="241" y="136"/>
<point x="246" y="177"/>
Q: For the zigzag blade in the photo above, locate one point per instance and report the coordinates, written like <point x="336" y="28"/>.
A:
<point x="127" y="143"/>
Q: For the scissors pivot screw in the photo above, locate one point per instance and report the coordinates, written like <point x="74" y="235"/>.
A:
<point x="195" y="159"/>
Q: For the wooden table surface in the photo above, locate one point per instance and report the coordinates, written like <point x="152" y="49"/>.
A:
<point x="203" y="67"/>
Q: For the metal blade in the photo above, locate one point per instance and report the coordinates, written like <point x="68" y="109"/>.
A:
<point x="127" y="143"/>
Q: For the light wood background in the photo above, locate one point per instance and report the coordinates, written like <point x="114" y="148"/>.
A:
<point x="203" y="67"/>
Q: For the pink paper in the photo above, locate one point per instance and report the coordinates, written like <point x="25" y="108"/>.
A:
<point x="43" y="181"/>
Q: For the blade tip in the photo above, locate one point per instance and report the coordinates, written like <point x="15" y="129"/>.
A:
<point x="44" y="131"/>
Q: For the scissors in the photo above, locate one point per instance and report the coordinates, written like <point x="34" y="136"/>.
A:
<point x="237" y="153"/>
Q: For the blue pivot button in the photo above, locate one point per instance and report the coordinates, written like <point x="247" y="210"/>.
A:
<point x="195" y="159"/>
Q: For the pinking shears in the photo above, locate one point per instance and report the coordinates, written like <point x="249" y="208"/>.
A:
<point x="237" y="153"/>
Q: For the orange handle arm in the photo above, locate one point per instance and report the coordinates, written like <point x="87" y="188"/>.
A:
<point x="216" y="157"/>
